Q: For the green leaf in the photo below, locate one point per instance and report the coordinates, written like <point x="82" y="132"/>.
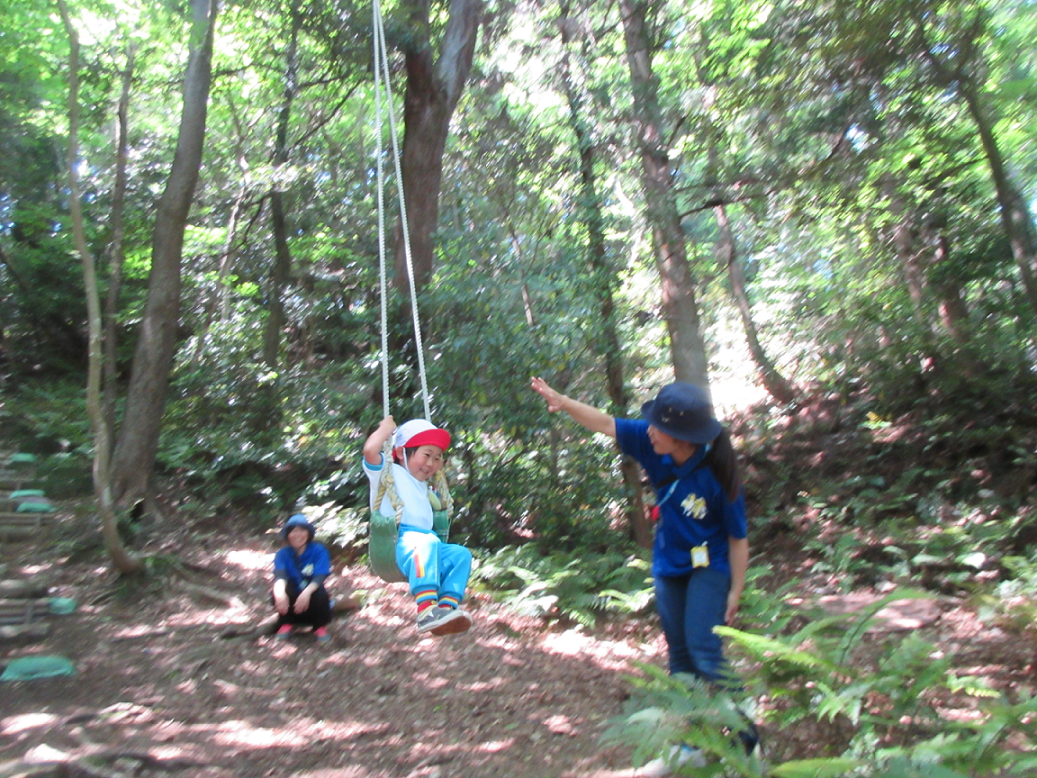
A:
<point x="816" y="768"/>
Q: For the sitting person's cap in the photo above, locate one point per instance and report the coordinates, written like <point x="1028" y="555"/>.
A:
<point x="420" y="432"/>
<point x="298" y="520"/>
<point x="683" y="411"/>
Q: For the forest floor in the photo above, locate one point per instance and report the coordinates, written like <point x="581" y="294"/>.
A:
<point x="179" y="678"/>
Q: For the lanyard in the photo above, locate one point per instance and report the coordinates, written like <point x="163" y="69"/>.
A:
<point x="669" y="492"/>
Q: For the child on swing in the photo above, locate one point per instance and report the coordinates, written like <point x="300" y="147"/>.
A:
<point x="437" y="572"/>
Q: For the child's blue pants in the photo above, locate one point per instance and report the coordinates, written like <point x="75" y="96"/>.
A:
<point x="429" y="563"/>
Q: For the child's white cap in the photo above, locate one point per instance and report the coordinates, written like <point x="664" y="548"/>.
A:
<point x="420" y="432"/>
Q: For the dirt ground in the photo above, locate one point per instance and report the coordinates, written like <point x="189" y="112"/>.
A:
<point x="178" y="682"/>
<point x="178" y="679"/>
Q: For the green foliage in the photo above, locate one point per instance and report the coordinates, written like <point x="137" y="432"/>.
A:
<point x="668" y="710"/>
<point x="48" y="417"/>
<point x="345" y="528"/>
<point x="873" y="705"/>
<point x="578" y="588"/>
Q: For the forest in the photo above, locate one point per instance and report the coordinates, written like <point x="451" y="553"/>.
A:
<point x="234" y="235"/>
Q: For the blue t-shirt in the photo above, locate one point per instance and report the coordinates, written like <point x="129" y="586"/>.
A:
<point x="299" y="570"/>
<point x="695" y="513"/>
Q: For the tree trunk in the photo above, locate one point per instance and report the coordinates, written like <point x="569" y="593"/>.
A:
<point x="913" y="240"/>
<point x="122" y="560"/>
<point x="433" y="89"/>
<point x="773" y="381"/>
<point x="218" y="303"/>
<point x="283" y="256"/>
<point x="954" y="313"/>
<point x="115" y="254"/>
<point x="1015" y="213"/>
<point x="680" y="309"/>
<point x="603" y="279"/>
<point x="156" y="344"/>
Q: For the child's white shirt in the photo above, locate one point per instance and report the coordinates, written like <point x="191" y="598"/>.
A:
<point x="417" y="510"/>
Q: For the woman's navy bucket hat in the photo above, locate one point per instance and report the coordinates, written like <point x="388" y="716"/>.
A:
<point x="683" y="411"/>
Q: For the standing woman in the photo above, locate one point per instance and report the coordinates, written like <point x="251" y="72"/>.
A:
<point x="701" y="551"/>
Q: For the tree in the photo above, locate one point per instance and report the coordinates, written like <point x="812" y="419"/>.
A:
<point x="124" y="561"/>
<point x="956" y="60"/>
<point x="137" y="442"/>
<point x="603" y="275"/>
<point x="680" y="309"/>
<point x="434" y="85"/>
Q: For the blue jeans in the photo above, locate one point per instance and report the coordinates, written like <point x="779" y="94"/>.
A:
<point x="689" y="607"/>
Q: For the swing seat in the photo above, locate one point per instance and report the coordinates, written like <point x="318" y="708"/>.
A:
<point x="381" y="549"/>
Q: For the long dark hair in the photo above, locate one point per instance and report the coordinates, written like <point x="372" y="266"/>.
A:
<point x="724" y="464"/>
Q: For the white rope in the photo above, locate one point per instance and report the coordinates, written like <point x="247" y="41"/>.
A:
<point x="381" y="68"/>
<point x="381" y="215"/>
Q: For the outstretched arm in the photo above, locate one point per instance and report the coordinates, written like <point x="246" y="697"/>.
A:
<point x="374" y="443"/>
<point x="586" y="416"/>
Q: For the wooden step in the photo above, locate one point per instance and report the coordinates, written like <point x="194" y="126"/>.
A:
<point x="8" y="505"/>
<point x="20" y="526"/>
<point x="23" y="588"/>
<point x="37" y="630"/>
<point x="11" y="480"/>
<point x="23" y="611"/>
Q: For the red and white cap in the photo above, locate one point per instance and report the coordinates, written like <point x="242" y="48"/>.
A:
<point x="420" y="432"/>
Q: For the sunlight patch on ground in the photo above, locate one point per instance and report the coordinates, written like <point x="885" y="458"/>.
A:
<point x="42" y="754"/>
<point x="437" y="683"/>
<point x="482" y="686"/>
<point x="312" y="730"/>
<point x="14" y="724"/>
<point x="561" y="725"/>
<point x="30" y="570"/>
<point x="139" y="631"/>
<point x="250" y="560"/>
<point x="235" y="612"/>
<point x="575" y="643"/>
<point x="495" y="746"/>
<point x="384" y="616"/>
<point x="241" y="733"/>
<point x="501" y="642"/>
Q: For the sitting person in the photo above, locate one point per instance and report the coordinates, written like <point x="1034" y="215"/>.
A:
<point x="437" y="572"/>
<point x="300" y="568"/>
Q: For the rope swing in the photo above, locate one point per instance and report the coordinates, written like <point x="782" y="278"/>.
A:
<point x="384" y="529"/>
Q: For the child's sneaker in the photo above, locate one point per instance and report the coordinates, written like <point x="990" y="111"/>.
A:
<point x="459" y="621"/>
<point x="284" y="632"/>
<point x="321" y="633"/>
<point x="443" y="621"/>
<point x="675" y="758"/>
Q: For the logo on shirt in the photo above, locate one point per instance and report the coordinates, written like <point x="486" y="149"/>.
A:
<point x="694" y="506"/>
<point x="307" y="571"/>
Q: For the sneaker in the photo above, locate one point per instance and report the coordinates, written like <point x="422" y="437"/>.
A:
<point x="284" y="632"/>
<point x="676" y="757"/>
<point x="443" y="621"/>
<point x="459" y="621"/>
<point x="321" y="633"/>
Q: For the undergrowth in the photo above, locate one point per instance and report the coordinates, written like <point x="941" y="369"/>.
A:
<point x="841" y="700"/>
<point x="576" y="587"/>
